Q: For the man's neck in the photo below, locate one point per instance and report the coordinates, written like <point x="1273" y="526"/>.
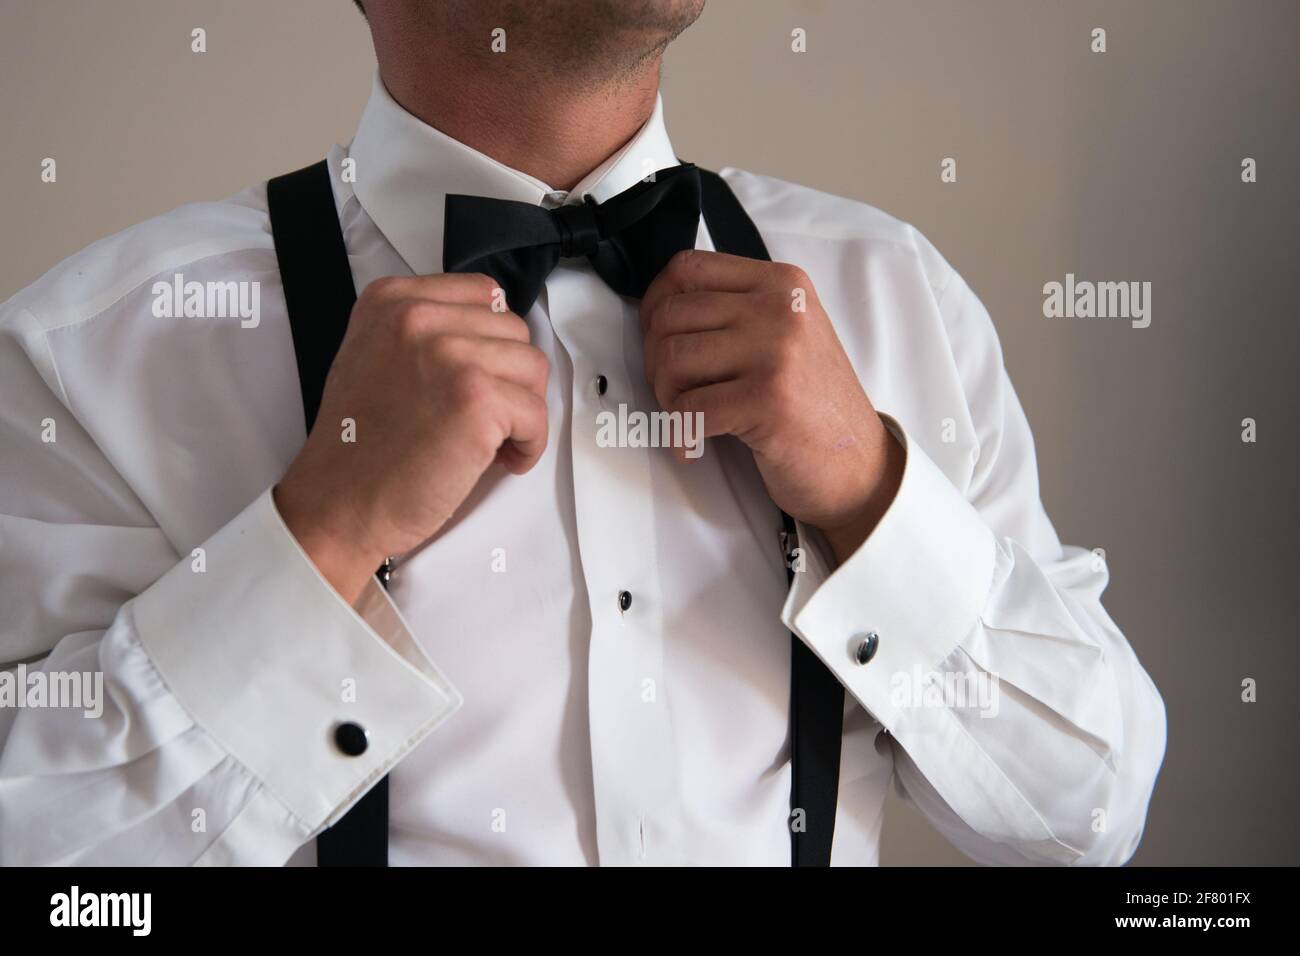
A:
<point x="557" y="136"/>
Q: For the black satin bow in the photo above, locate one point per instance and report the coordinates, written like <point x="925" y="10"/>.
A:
<point x="629" y="238"/>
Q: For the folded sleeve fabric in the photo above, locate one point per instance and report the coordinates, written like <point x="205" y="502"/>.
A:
<point x="1020" y="720"/>
<point x="217" y="678"/>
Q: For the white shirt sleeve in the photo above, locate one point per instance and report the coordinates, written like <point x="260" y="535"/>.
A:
<point x="223" y="679"/>
<point x="1021" y="723"/>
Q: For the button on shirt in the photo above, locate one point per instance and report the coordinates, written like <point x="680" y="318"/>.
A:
<point x="590" y="663"/>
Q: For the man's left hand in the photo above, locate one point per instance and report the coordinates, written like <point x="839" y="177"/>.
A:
<point x="747" y="344"/>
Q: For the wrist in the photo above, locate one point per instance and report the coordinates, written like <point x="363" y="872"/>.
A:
<point x="327" y="536"/>
<point x="845" y="535"/>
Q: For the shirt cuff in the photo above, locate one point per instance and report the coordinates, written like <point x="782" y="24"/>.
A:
<point x="268" y="659"/>
<point x="920" y="582"/>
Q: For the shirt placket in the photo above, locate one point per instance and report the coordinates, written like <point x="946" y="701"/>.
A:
<point x="633" y="770"/>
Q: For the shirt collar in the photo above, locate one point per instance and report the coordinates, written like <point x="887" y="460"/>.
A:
<point x="405" y="169"/>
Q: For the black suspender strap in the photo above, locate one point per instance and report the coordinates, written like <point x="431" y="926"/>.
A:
<point x="319" y="293"/>
<point x="315" y="273"/>
<point x="816" y="697"/>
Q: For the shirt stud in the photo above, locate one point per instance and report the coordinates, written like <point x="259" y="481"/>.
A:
<point x="624" y="600"/>
<point x="602" y="384"/>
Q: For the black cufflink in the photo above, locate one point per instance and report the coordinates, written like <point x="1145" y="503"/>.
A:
<point x="351" y="739"/>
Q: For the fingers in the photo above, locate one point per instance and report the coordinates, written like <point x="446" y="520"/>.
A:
<point x="691" y="312"/>
<point x="512" y="361"/>
<point x="705" y="311"/>
<point x="678" y="363"/>
<point x="695" y="270"/>
<point x="464" y="319"/>
<point x="470" y="288"/>
<point x="524" y="418"/>
<point x="711" y="336"/>
<point x="724" y="407"/>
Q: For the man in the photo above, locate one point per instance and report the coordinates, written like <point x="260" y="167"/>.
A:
<point x="583" y="653"/>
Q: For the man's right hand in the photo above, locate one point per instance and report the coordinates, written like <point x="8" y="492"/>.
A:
<point x="440" y="386"/>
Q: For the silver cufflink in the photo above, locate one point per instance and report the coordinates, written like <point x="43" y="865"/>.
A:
<point x="867" y="645"/>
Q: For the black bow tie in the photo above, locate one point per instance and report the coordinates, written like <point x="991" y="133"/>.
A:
<point x="629" y="238"/>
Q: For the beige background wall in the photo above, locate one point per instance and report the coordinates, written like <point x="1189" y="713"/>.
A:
<point x="1119" y="166"/>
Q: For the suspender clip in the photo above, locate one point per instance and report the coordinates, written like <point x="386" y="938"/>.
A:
<point x="789" y="545"/>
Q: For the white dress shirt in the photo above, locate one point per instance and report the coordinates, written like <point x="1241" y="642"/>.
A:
<point x="524" y="717"/>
